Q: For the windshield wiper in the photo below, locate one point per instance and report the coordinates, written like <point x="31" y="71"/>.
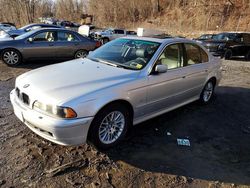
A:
<point x="111" y="64"/>
<point x="106" y="62"/>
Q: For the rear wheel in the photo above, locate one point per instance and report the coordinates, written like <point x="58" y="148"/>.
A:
<point x="228" y="54"/>
<point x="11" y="57"/>
<point x="248" y="56"/>
<point x="81" y="54"/>
<point x="110" y="126"/>
<point x="207" y="92"/>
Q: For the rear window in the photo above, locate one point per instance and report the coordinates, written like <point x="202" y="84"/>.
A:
<point x="195" y="54"/>
<point x="204" y="56"/>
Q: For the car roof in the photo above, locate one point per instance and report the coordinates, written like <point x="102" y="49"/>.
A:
<point x="159" y="40"/>
<point x="235" y="32"/>
<point x="53" y="28"/>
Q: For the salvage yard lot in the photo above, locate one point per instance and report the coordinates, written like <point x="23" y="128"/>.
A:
<point x="219" y="155"/>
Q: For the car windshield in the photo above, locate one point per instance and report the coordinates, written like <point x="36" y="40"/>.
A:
<point x="224" y="36"/>
<point x="25" y="35"/>
<point x="125" y="53"/>
<point x="205" y="37"/>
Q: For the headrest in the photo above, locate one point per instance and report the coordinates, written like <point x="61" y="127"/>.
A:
<point x="141" y="53"/>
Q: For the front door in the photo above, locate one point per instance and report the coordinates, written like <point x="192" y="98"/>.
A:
<point x="166" y="89"/>
<point x="42" y="46"/>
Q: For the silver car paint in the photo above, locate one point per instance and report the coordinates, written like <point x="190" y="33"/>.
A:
<point x="87" y="86"/>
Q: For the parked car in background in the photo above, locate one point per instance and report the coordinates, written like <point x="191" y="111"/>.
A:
<point x="124" y="82"/>
<point x="6" y="27"/>
<point x="111" y="34"/>
<point x="27" y="28"/>
<point x="205" y="37"/>
<point x="230" y="45"/>
<point x="48" y="43"/>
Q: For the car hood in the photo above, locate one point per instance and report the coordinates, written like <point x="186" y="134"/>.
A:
<point x="65" y="81"/>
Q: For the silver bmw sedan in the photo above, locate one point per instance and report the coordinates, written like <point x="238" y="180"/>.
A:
<point x="125" y="82"/>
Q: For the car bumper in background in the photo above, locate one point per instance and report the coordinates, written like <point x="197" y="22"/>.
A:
<point x="60" y="131"/>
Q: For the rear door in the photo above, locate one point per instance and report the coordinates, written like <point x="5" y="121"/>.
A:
<point x="42" y="45"/>
<point x="196" y="65"/>
<point x="67" y="44"/>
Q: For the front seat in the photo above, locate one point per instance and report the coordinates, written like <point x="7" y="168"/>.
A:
<point x="142" y="55"/>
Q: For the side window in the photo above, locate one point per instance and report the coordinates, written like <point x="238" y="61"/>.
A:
<point x="246" y="38"/>
<point x="193" y="54"/>
<point x="204" y="56"/>
<point x="118" y="31"/>
<point x="66" y="36"/>
<point x="171" y="57"/>
<point x="48" y="36"/>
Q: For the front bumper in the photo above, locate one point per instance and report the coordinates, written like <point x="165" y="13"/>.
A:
<point x="60" y="131"/>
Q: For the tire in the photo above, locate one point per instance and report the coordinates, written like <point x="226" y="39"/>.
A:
<point x="11" y="57"/>
<point x="228" y="54"/>
<point x="105" y="40"/>
<point x="81" y="54"/>
<point x="207" y="92"/>
<point x="103" y="133"/>
<point x="248" y="56"/>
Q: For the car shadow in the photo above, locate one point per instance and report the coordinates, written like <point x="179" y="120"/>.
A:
<point x="218" y="133"/>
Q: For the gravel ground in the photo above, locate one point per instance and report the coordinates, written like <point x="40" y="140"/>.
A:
<point x="219" y="155"/>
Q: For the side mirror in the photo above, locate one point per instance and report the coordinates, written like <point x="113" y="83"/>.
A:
<point x="161" y="68"/>
<point x="30" y="40"/>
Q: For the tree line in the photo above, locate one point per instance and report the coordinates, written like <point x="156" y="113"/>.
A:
<point x="177" y="14"/>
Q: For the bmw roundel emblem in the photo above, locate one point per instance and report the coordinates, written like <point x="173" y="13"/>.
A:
<point x="26" y="85"/>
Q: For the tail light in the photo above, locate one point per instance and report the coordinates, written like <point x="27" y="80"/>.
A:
<point x="98" y="44"/>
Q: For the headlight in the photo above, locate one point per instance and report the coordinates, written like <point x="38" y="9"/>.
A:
<point x="62" y="112"/>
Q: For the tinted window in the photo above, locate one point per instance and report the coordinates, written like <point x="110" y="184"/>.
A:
<point x="48" y="36"/>
<point x="246" y="37"/>
<point x="66" y="36"/>
<point x="171" y="57"/>
<point x="193" y="54"/>
<point x="118" y="31"/>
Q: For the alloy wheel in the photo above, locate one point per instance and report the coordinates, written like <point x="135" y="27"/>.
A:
<point x="11" y="57"/>
<point x="81" y="54"/>
<point x="111" y="127"/>
<point x="208" y="91"/>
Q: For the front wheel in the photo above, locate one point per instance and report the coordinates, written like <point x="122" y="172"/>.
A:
<point x="110" y="126"/>
<point x="11" y="57"/>
<point x="207" y="92"/>
<point x="228" y="54"/>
